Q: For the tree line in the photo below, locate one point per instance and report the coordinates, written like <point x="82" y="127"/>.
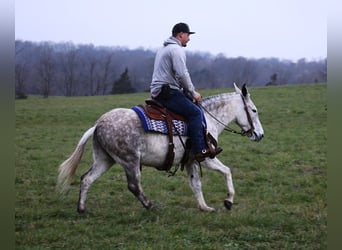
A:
<point x="67" y="69"/>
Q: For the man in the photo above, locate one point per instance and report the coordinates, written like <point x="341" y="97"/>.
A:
<point x="172" y="86"/>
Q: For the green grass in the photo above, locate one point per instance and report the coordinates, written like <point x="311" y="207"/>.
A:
<point x="280" y="182"/>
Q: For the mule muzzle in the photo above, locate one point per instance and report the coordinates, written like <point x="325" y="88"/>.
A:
<point x="256" y="137"/>
<point x="252" y="135"/>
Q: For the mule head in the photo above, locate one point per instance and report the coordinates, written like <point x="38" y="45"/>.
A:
<point x="248" y="117"/>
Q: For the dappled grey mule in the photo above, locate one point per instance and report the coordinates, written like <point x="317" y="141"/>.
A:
<point x="118" y="137"/>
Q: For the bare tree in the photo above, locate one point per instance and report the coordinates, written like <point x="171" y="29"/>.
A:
<point x="19" y="47"/>
<point x="69" y="71"/>
<point x="251" y="72"/>
<point x="92" y="65"/>
<point x="239" y="70"/>
<point x="46" y="69"/>
<point x="102" y="82"/>
<point x="21" y="74"/>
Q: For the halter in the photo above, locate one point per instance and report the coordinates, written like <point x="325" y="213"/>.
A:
<point x="249" y="132"/>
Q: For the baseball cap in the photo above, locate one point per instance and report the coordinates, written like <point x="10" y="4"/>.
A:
<point x="181" y="27"/>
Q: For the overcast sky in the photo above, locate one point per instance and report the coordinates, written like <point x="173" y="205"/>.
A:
<point x="286" y="29"/>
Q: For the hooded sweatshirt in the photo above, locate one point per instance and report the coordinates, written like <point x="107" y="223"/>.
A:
<point x="170" y="68"/>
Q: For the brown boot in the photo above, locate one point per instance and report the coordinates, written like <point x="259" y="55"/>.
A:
<point x="200" y="156"/>
<point x="216" y="152"/>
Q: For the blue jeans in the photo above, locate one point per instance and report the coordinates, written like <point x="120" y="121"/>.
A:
<point x="180" y="104"/>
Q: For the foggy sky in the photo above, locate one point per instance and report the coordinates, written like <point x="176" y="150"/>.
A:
<point x="286" y="29"/>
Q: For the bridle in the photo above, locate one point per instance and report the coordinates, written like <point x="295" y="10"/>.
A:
<point x="248" y="132"/>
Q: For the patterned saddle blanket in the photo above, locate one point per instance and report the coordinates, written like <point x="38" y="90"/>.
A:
<point x="179" y="127"/>
<point x="154" y="117"/>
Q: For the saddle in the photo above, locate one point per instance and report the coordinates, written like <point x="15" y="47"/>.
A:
<point x="155" y="110"/>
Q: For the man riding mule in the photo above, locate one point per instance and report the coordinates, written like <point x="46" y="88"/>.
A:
<point x="119" y="137"/>
<point x="172" y="87"/>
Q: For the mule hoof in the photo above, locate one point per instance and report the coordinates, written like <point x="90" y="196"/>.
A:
<point x="207" y="209"/>
<point x="151" y="206"/>
<point x="228" y="204"/>
<point x="81" y="210"/>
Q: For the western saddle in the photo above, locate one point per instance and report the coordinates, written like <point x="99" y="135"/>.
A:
<point x="155" y="110"/>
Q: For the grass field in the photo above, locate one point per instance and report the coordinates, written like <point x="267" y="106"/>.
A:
<point x="280" y="182"/>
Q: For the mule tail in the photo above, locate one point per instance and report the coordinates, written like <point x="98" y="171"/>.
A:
<point x="68" y="168"/>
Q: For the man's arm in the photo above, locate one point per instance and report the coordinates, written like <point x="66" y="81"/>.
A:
<point x="181" y="71"/>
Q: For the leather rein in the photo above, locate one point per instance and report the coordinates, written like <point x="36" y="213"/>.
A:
<point x="249" y="132"/>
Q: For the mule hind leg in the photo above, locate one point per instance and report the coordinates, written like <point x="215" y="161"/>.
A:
<point x="133" y="174"/>
<point x="101" y="163"/>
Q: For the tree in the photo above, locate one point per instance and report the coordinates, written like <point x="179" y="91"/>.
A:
<point x="91" y="78"/>
<point x="69" y="70"/>
<point x="103" y="75"/>
<point x="273" y="80"/>
<point x="123" y="84"/>
<point x="46" y="69"/>
<point x="21" y="73"/>
<point x="66" y="69"/>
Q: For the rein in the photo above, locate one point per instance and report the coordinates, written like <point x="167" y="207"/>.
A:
<point x="227" y="128"/>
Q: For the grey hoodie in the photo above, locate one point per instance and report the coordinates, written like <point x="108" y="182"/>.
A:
<point x="170" y="68"/>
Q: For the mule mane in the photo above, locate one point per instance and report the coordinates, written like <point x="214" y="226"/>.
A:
<point x="217" y="100"/>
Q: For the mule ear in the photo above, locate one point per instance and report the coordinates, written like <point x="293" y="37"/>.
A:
<point x="244" y="90"/>
<point x="237" y="90"/>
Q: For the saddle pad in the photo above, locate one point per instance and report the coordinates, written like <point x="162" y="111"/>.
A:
<point x="179" y="127"/>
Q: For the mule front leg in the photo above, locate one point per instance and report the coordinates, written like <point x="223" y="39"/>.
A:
<point x="217" y="165"/>
<point x="196" y="187"/>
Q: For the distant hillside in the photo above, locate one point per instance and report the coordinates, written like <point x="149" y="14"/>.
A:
<point x="66" y="69"/>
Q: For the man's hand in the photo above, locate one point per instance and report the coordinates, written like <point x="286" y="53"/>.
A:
<point x="198" y="98"/>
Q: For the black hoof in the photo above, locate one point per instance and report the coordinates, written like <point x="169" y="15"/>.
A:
<point x="150" y="206"/>
<point x="228" y="204"/>
<point x="81" y="211"/>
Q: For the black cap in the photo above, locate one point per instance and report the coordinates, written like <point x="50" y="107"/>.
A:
<point x="181" y="27"/>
